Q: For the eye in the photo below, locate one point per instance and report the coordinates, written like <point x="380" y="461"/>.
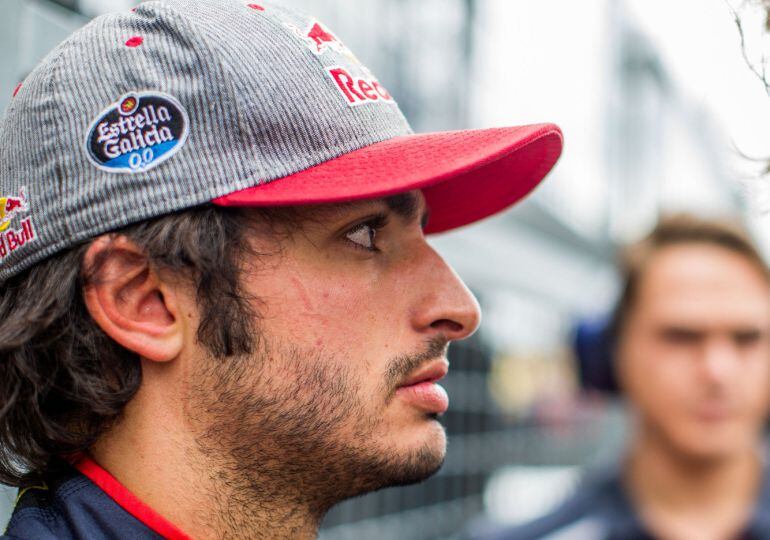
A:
<point x="363" y="236"/>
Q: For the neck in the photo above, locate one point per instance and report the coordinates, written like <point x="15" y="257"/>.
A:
<point x="670" y="486"/>
<point x="157" y="459"/>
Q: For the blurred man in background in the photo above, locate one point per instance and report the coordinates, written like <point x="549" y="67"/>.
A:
<point x="690" y="341"/>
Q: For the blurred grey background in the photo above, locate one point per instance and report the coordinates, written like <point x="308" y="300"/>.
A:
<point x="657" y="106"/>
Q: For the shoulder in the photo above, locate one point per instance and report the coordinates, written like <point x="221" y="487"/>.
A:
<point x="35" y="516"/>
<point x="71" y="507"/>
<point x="586" y="514"/>
<point x="760" y="521"/>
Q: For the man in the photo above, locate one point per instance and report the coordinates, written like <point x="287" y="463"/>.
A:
<point x="691" y="347"/>
<point x="219" y="314"/>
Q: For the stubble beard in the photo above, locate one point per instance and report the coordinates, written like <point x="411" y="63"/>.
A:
<point x="289" y="427"/>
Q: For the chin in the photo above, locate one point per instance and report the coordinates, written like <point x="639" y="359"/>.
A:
<point x="429" y="438"/>
<point x="713" y="444"/>
<point x="414" y="454"/>
<point x="418" y="465"/>
<point x="708" y="453"/>
<point x="395" y="464"/>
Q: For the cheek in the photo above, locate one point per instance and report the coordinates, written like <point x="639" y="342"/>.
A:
<point x="754" y="383"/>
<point x="655" y="381"/>
<point x="335" y="315"/>
<point x="652" y="386"/>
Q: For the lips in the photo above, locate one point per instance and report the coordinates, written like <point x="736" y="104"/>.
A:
<point x="715" y="412"/>
<point x="432" y="372"/>
<point x="420" y="388"/>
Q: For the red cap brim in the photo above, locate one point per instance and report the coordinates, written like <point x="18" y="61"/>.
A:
<point x="464" y="175"/>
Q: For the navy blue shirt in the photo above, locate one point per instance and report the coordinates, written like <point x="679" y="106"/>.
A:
<point x="84" y="502"/>
<point x="601" y="510"/>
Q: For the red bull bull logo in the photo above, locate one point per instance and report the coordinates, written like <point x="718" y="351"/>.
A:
<point x="10" y="207"/>
<point x="13" y="239"/>
<point x="320" y="39"/>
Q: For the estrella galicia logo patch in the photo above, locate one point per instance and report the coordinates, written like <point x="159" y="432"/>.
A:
<point x="137" y="133"/>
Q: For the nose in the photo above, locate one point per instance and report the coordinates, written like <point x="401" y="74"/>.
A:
<point x="720" y="358"/>
<point x="443" y="304"/>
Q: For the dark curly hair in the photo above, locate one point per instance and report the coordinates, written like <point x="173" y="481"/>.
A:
<point x="63" y="381"/>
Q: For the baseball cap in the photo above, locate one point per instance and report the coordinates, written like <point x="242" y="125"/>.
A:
<point x="180" y="103"/>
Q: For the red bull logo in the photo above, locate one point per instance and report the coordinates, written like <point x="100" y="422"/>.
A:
<point x="13" y="239"/>
<point x="10" y="207"/>
<point x="320" y="39"/>
<point x="356" y="89"/>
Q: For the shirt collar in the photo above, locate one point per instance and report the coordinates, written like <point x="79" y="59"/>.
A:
<point x="127" y="500"/>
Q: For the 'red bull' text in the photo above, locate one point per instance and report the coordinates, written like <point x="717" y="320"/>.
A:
<point x="358" y="90"/>
<point x="12" y="240"/>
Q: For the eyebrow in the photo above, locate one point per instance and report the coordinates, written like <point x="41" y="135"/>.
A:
<point x="406" y="206"/>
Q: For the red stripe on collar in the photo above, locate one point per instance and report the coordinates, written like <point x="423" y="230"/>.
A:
<point x="128" y="501"/>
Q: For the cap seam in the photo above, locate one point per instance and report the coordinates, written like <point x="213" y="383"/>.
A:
<point x="58" y="168"/>
<point x="226" y="69"/>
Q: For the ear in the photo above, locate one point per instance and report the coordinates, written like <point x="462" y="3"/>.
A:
<point x="130" y="302"/>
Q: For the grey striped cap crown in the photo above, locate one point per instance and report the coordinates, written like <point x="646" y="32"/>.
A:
<point x="169" y="106"/>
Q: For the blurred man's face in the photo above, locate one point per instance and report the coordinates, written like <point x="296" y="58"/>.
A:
<point x="356" y="311"/>
<point x="694" y="357"/>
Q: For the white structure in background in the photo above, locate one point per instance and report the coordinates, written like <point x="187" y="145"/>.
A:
<point x="637" y="141"/>
<point x="518" y="494"/>
<point x="93" y="8"/>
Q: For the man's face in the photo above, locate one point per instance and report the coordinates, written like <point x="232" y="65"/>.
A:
<point x="355" y="313"/>
<point x="694" y="357"/>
